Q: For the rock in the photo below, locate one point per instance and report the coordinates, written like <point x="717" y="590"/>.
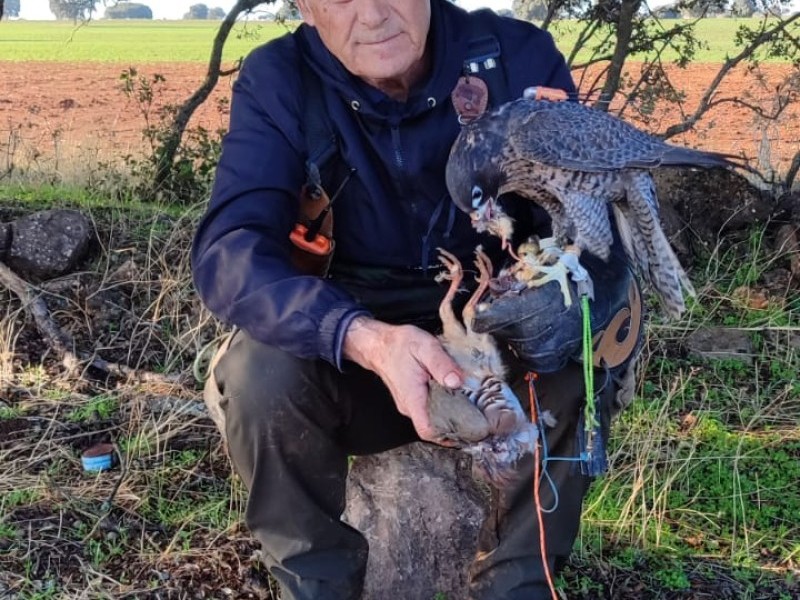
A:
<point x="49" y="243"/>
<point x="421" y="510"/>
<point x="721" y="343"/>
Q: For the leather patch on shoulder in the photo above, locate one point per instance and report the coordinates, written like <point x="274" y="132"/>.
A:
<point x="470" y="98"/>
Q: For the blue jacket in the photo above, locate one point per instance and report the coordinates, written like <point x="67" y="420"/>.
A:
<point x="393" y="213"/>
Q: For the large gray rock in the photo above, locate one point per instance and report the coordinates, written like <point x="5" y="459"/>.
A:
<point x="421" y="510"/>
<point x="47" y="244"/>
<point x="721" y="343"/>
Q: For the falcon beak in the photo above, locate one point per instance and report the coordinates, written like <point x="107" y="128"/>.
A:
<point x="483" y="215"/>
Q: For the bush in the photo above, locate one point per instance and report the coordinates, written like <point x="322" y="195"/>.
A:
<point x="128" y="10"/>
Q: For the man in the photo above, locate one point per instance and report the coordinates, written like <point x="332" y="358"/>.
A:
<point x="325" y="368"/>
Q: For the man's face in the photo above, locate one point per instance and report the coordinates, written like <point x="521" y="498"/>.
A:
<point x="374" y="39"/>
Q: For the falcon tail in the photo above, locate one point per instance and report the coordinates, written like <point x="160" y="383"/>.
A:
<point x="688" y="157"/>
<point x="647" y="246"/>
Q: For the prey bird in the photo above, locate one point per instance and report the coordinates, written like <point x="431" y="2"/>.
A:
<point x="484" y="418"/>
<point x="573" y="161"/>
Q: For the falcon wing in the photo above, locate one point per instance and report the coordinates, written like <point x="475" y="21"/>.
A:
<point x="572" y="136"/>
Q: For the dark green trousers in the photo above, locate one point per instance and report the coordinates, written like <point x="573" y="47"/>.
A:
<point x="292" y="423"/>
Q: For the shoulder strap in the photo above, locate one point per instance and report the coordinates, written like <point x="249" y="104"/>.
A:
<point x="483" y="53"/>
<point x="312" y="236"/>
<point x="320" y="138"/>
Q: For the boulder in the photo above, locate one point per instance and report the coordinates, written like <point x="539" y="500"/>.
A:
<point x="46" y="244"/>
<point x="420" y="510"/>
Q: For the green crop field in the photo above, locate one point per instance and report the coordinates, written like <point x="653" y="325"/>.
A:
<point x="134" y="42"/>
<point x="130" y="42"/>
<point x="716" y="38"/>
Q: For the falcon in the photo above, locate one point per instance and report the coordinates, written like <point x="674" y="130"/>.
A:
<point x="574" y="161"/>
<point x="484" y="418"/>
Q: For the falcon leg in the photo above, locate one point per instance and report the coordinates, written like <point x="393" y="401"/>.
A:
<point x="557" y="272"/>
<point x="576" y="271"/>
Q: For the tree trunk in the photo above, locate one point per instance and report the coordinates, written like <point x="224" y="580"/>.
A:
<point x="627" y="13"/>
<point x="166" y="154"/>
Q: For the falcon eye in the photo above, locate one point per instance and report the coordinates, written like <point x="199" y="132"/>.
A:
<point x="477" y="196"/>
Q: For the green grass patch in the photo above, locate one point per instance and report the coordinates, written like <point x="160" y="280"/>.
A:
<point x="129" y="42"/>
<point x="100" y="407"/>
<point x="716" y="37"/>
<point x="54" y="195"/>
<point x="20" y="497"/>
<point x="138" y="42"/>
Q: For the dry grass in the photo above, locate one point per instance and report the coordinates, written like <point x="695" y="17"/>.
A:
<point x="701" y="463"/>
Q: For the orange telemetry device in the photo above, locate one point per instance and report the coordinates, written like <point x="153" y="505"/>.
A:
<point x="315" y="244"/>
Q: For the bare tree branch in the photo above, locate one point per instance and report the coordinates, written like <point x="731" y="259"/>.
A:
<point x="172" y="143"/>
<point x="62" y="343"/>
<point x="791" y="174"/>
<point x="765" y="36"/>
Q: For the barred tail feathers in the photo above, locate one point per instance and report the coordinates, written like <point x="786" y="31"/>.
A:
<point x="664" y="273"/>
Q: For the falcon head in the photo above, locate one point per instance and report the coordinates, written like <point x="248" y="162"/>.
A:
<point x="474" y="178"/>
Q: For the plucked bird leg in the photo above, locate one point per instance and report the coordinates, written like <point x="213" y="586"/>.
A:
<point x="451" y="327"/>
<point x="484" y="418"/>
<point x="484" y="266"/>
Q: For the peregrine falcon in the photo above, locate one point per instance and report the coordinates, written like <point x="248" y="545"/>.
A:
<point x="574" y="160"/>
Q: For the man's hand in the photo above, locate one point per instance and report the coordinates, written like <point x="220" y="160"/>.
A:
<point x="406" y="358"/>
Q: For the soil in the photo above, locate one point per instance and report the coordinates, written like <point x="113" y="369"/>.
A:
<point x="73" y="112"/>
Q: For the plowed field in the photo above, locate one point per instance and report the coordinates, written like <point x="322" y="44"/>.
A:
<point x="72" y="115"/>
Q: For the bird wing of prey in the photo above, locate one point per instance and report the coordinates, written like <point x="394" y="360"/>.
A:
<point x="571" y="136"/>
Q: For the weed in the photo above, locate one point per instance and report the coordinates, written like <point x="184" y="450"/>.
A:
<point x="191" y="174"/>
<point x="98" y="408"/>
<point x="11" y="412"/>
<point x="19" y="497"/>
<point x="8" y="532"/>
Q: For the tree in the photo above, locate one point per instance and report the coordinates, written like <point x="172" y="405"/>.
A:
<point x="73" y="10"/>
<point x="288" y="12"/>
<point x="530" y="10"/>
<point x="743" y="8"/>
<point x="216" y="13"/>
<point x="197" y="11"/>
<point x="128" y="10"/>
<point x="11" y="8"/>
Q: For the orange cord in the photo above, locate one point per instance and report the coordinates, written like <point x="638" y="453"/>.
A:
<point x="531" y="377"/>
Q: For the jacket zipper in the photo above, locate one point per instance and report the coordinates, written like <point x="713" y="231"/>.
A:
<point x="398" y="151"/>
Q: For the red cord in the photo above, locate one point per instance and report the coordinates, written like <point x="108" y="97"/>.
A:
<point x="531" y="377"/>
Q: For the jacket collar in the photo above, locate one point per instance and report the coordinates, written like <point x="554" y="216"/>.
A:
<point x="447" y="42"/>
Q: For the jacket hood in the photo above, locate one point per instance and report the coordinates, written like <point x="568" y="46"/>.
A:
<point x="447" y="42"/>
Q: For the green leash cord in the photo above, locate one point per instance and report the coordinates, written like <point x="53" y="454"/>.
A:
<point x="589" y="409"/>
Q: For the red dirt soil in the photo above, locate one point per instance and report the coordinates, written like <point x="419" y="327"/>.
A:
<point x="70" y="116"/>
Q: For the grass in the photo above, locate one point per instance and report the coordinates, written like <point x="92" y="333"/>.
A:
<point x="716" y="37"/>
<point x="701" y="494"/>
<point x="127" y="42"/>
<point x="141" y="42"/>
